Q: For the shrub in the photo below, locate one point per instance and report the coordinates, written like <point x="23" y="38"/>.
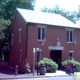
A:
<point x="77" y="66"/>
<point x="51" y="66"/>
<point x="75" y="63"/>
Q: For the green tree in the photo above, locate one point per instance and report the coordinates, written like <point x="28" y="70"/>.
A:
<point x="78" y="13"/>
<point x="7" y="11"/>
<point x="3" y="25"/>
<point x="56" y="9"/>
<point x="8" y="7"/>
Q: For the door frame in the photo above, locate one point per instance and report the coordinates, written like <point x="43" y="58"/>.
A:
<point x="56" y="56"/>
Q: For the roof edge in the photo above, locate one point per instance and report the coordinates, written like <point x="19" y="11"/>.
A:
<point x="21" y="14"/>
<point x="59" y="26"/>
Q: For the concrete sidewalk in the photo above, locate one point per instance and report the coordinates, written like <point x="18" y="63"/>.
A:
<point x="9" y="74"/>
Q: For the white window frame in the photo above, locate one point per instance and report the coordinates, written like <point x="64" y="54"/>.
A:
<point x="41" y="27"/>
<point x="20" y="34"/>
<point x="70" y="30"/>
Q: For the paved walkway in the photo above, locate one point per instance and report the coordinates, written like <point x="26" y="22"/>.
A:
<point x="7" y="73"/>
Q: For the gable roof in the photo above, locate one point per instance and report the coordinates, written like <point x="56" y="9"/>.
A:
<point x="46" y="18"/>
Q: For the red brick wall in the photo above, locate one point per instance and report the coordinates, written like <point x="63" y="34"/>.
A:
<point x="52" y="33"/>
<point x="15" y="48"/>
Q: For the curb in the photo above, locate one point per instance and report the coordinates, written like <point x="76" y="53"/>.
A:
<point x="18" y="77"/>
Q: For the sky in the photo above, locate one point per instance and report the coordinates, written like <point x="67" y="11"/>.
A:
<point x="68" y="5"/>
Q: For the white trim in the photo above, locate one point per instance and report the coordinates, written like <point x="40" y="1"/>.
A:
<point x="41" y="33"/>
<point x="70" y="42"/>
<point x="69" y="35"/>
<point x="69" y="29"/>
<point x="41" y="26"/>
<point x="55" y="48"/>
<point x="71" y="51"/>
<point x="40" y="40"/>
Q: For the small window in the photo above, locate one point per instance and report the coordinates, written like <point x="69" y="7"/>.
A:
<point x="12" y="39"/>
<point x="71" y="56"/>
<point x="20" y="34"/>
<point x="20" y="55"/>
<point x="69" y="36"/>
<point x="41" y="33"/>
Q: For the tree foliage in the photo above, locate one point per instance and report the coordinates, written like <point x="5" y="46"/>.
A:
<point x="7" y="11"/>
<point x="8" y="7"/>
<point x="56" y="9"/>
<point x="78" y="13"/>
<point x="3" y="25"/>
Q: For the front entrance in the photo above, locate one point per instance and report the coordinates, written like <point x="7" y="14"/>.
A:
<point x="56" y="56"/>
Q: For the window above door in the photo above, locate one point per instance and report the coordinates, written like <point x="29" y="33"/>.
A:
<point x="69" y="35"/>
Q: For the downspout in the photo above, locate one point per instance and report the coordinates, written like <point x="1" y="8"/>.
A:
<point x="26" y="43"/>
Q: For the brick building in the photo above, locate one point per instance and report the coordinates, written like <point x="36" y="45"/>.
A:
<point x="28" y="31"/>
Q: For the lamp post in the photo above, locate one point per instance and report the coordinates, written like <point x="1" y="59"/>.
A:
<point x="34" y="51"/>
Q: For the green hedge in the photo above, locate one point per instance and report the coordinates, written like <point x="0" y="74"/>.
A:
<point x="75" y="63"/>
<point x="51" y="66"/>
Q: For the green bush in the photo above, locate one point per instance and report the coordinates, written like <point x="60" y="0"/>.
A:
<point x="51" y="66"/>
<point x="75" y="63"/>
<point x="77" y="66"/>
